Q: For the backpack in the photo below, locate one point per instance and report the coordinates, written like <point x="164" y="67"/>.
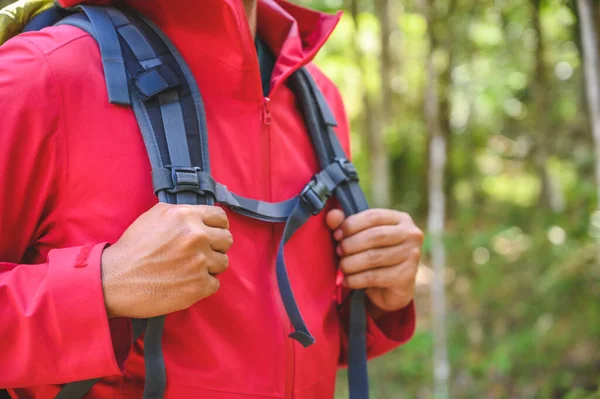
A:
<point x="144" y="71"/>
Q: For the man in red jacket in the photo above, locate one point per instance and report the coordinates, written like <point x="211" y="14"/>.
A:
<point x="84" y="247"/>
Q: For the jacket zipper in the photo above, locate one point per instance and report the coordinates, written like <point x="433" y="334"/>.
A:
<point x="289" y="348"/>
<point x="267" y="117"/>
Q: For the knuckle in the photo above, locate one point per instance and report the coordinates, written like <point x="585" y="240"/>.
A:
<point x="345" y="247"/>
<point x="346" y="226"/>
<point x="404" y="217"/>
<point x="373" y="216"/>
<point x="201" y="260"/>
<point x="373" y="257"/>
<point x="371" y="279"/>
<point x="200" y="233"/>
<point x="378" y="235"/>
<point x="171" y="211"/>
<point x="418" y="235"/>
<point x="161" y="207"/>
<point x="214" y="287"/>
<point x="415" y="254"/>
<point x="353" y="282"/>
<point x="229" y="239"/>
<point x="179" y="214"/>
<point x="346" y="265"/>
<point x="220" y="212"/>
<point x="225" y="262"/>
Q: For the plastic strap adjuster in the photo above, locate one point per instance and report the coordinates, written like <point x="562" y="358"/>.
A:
<point x="154" y="81"/>
<point x="315" y="194"/>
<point x="191" y="179"/>
<point x="348" y="168"/>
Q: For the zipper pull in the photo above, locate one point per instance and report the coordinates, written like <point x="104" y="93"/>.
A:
<point x="267" y="118"/>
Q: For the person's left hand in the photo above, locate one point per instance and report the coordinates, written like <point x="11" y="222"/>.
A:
<point x="379" y="251"/>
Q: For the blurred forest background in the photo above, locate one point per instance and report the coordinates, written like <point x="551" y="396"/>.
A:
<point x="493" y="94"/>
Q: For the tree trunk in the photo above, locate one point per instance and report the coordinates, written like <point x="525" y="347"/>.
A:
<point x="551" y="195"/>
<point x="436" y="215"/>
<point x="589" y="39"/>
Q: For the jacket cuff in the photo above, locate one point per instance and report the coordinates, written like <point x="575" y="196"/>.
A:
<point x="95" y="345"/>
<point x="390" y="330"/>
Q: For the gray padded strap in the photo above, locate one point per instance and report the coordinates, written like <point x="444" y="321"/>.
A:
<point x="170" y="108"/>
<point x="139" y="45"/>
<point x="118" y="18"/>
<point x="112" y="56"/>
<point x="193" y="86"/>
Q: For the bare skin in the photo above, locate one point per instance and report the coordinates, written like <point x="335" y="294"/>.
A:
<point x="250" y="7"/>
<point x="379" y="251"/>
<point x="168" y="259"/>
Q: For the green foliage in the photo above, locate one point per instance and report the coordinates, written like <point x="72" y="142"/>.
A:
<point x="522" y="279"/>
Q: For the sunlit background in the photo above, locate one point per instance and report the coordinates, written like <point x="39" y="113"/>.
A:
<point x="522" y="284"/>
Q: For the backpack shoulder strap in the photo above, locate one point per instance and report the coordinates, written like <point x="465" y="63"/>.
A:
<point x="143" y="69"/>
<point x="99" y="25"/>
<point x="320" y="122"/>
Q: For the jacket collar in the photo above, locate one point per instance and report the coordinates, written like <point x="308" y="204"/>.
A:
<point x="294" y="34"/>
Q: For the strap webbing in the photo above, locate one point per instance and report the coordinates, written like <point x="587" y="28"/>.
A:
<point x="320" y="123"/>
<point x="298" y="217"/>
<point x="112" y="57"/>
<point x="192" y="180"/>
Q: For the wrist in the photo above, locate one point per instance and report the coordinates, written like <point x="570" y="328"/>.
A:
<point x="107" y="267"/>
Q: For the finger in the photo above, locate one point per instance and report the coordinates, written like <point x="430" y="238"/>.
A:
<point x="214" y="216"/>
<point x="386" y="277"/>
<point x="375" y="258"/>
<point x="211" y="286"/>
<point x="370" y="218"/>
<point x="375" y="237"/>
<point x="220" y="240"/>
<point x="218" y="263"/>
<point x="334" y="219"/>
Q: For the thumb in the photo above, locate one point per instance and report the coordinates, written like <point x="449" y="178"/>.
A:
<point x="334" y="219"/>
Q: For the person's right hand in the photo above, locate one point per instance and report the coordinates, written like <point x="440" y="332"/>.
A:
<point x="166" y="261"/>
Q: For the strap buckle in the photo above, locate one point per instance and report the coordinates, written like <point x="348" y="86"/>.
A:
<point x="348" y="168"/>
<point x="191" y="179"/>
<point x="315" y="195"/>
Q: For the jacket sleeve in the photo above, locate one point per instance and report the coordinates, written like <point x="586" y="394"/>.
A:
<point x="388" y="332"/>
<point x="393" y="329"/>
<point x="53" y="323"/>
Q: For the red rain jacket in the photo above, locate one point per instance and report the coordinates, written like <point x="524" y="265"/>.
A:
<point x="74" y="175"/>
